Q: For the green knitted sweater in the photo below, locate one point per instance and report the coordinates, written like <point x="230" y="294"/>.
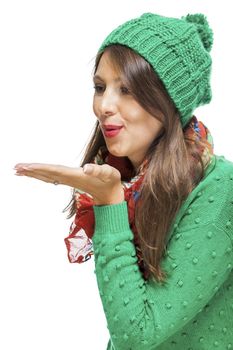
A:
<point x="194" y="309"/>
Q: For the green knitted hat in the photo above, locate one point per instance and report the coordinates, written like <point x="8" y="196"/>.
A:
<point x="178" y="50"/>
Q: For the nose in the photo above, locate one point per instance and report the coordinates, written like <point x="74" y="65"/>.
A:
<point x="108" y="103"/>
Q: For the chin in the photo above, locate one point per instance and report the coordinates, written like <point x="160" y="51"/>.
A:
<point x="115" y="153"/>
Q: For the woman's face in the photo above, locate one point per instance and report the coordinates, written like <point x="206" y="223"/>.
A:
<point x="113" y="104"/>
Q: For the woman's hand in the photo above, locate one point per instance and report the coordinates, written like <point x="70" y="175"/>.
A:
<point x="102" y="182"/>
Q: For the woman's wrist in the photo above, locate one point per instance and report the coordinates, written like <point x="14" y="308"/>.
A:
<point x="116" y="198"/>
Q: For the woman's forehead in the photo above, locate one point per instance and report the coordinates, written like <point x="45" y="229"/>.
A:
<point x="107" y="62"/>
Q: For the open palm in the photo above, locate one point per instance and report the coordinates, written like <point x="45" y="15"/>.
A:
<point x="102" y="182"/>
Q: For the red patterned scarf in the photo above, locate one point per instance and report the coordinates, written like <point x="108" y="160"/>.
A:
<point x="78" y="243"/>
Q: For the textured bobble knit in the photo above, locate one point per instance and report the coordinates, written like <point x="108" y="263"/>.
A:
<point x="194" y="308"/>
<point x="179" y="52"/>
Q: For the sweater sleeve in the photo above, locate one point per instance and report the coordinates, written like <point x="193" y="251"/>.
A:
<point x="143" y="314"/>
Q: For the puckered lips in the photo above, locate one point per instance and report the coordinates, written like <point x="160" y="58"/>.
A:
<point x="111" y="130"/>
<point x="108" y="127"/>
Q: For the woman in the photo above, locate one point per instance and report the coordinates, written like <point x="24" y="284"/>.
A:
<point x="150" y="194"/>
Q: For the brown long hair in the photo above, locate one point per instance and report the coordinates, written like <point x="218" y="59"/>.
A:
<point x="175" y="164"/>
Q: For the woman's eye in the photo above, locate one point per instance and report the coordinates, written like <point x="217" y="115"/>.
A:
<point x="99" y="89"/>
<point x="125" y="90"/>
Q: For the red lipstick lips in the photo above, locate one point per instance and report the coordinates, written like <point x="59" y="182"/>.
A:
<point x="112" y="130"/>
<point x="112" y="127"/>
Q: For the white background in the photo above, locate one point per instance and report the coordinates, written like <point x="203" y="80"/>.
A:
<point x="46" y="62"/>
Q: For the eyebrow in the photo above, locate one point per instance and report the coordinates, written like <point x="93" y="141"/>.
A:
<point x="99" y="77"/>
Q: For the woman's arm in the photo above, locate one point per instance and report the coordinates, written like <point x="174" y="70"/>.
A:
<point x="141" y="314"/>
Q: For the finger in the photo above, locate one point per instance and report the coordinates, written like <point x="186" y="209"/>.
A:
<point x="103" y="172"/>
<point x="50" y="173"/>
<point x="106" y="172"/>
<point x="88" y="168"/>
<point x="21" y="166"/>
<point x="47" y="170"/>
<point x="38" y="166"/>
<point x="39" y="177"/>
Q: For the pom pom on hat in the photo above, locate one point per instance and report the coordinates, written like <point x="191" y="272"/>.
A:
<point x="204" y="30"/>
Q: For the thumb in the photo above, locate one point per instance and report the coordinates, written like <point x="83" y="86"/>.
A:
<point x="88" y="168"/>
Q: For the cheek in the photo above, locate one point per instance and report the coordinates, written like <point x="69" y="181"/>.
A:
<point x="94" y="107"/>
<point x="143" y="133"/>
